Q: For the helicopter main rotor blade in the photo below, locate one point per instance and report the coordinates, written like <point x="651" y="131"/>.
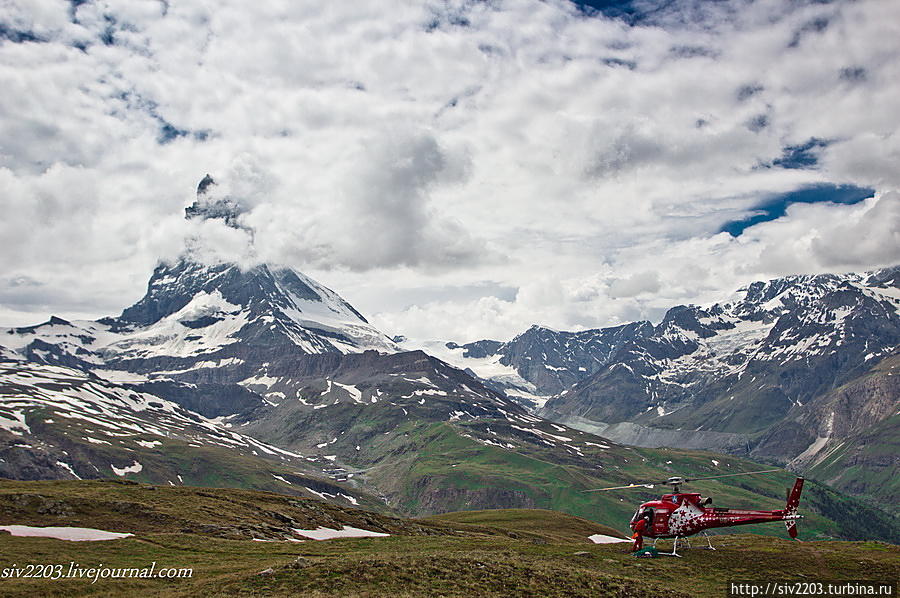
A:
<point x="650" y="485"/>
<point x="728" y="475"/>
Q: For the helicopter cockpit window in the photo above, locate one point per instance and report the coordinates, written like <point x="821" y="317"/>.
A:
<point x="646" y="513"/>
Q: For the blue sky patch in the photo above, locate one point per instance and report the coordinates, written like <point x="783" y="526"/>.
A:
<point x="805" y="155"/>
<point x="17" y="36"/>
<point x="777" y="206"/>
<point x="630" y="11"/>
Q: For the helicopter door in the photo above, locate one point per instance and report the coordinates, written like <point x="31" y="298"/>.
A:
<point x="654" y="517"/>
<point x="660" y="521"/>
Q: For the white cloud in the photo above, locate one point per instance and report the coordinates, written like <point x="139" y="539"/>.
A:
<point x="636" y="284"/>
<point x="868" y="237"/>
<point x="549" y="167"/>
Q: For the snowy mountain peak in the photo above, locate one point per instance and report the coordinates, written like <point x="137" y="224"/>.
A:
<point x="288" y="304"/>
<point x="694" y="352"/>
<point x="744" y="364"/>
<point x="196" y="317"/>
<point x="221" y="303"/>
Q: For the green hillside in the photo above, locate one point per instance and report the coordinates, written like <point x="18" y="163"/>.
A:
<point x="434" y="468"/>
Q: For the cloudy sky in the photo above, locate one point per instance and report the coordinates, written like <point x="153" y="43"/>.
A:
<point x="456" y="169"/>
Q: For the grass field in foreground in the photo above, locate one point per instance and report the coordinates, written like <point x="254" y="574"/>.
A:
<point x="438" y="565"/>
<point x="530" y="523"/>
<point x="507" y="552"/>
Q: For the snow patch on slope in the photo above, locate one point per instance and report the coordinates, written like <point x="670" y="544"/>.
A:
<point x="324" y="533"/>
<point x="73" y="534"/>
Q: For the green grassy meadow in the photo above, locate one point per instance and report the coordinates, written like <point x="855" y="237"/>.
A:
<point x="507" y="552"/>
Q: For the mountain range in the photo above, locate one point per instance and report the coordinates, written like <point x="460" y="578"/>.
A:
<point x="798" y="370"/>
<point x="260" y="377"/>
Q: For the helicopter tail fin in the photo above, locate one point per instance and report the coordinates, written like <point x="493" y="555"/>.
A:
<point x="793" y="500"/>
<point x="790" y="509"/>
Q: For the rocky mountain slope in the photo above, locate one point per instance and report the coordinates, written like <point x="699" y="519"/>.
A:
<point x="550" y="360"/>
<point x="404" y="432"/>
<point x="62" y="423"/>
<point x="849" y="437"/>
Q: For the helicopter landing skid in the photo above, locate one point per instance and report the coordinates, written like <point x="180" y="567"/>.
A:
<point x="709" y="545"/>
<point x="687" y="541"/>
<point x="674" y="549"/>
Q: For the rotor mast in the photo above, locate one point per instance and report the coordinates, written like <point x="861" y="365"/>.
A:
<point x="675" y="482"/>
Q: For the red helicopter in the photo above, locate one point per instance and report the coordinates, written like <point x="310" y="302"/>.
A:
<point x="683" y="514"/>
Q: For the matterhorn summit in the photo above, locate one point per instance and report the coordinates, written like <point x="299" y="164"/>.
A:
<point x="210" y="206"/>
<point x="206" y="322"/>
